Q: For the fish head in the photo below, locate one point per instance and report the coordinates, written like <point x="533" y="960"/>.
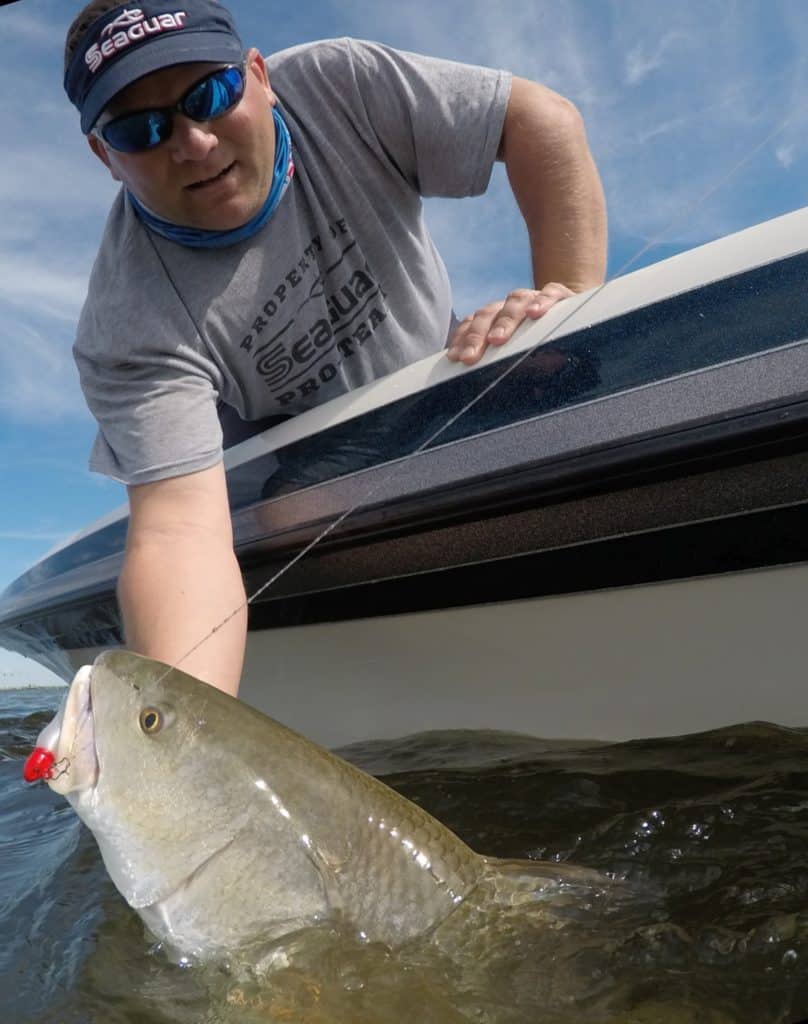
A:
<point x="135" y="752"/>
<point x="219" y="825"/>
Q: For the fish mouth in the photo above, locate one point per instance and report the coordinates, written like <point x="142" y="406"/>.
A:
<point x="207" y="182"/>
<point x="70" y="737"/>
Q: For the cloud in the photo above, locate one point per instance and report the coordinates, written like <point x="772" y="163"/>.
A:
<point x="38" y="375"/>
<point x="37" y="287"/>
<point x="54" y="202"/>
<point x="673" y="97"/>
<point x="21" y="26"/>
<point x="785" y="155"/>
<point x="53" y="179"/>
<point x="33" y="535"/>
<point x="640" y="63"/>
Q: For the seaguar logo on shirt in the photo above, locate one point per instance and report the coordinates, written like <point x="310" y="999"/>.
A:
<point x="132" y="26"/>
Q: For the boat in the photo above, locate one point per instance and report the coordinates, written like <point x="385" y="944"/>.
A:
<point x="601" y="530"/>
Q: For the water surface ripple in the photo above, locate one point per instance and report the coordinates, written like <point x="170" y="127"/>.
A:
<point x="707" y="921"/>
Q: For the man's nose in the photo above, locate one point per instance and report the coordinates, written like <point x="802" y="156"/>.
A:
<point x="191" y="140"/>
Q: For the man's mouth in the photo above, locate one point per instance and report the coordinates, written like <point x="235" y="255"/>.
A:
<point x="207" y="182"/>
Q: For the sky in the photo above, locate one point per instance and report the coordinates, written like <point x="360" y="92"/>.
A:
<point x="695" y="112"/>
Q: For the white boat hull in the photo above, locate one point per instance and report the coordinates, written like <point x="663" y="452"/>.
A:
<point x="631" y="662"/>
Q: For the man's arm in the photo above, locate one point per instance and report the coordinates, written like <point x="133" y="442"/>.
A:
<point x="180" y="577"/>
<point x="558" y="190"/>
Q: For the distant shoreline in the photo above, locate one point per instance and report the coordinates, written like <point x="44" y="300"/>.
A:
<point x="31" y="686"/>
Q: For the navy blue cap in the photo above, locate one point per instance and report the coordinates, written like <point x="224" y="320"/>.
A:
<point x="127" y="43"/>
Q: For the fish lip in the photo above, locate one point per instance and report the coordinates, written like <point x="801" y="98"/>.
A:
<point x="70" y="737"/>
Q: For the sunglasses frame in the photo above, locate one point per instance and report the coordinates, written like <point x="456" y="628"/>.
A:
<point x="171" y="111"/>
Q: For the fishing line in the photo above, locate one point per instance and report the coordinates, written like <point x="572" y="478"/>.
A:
<point x="400" y="465"/>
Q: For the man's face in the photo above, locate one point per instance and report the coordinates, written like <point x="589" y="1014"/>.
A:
<point x="182" y="179"/>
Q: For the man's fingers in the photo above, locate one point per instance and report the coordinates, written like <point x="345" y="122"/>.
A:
<point x="555" y="291"/>
<point x="469" y="340"/>
<point x="519" y="304"/>
<point x="495" y="323"/>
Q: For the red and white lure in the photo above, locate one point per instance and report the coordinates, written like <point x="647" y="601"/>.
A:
<point x="39" y="765"/>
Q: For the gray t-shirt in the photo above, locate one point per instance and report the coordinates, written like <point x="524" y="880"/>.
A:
<point x="342" y="286"/>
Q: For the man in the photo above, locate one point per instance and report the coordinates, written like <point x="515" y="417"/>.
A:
<point x="265" y="203"/>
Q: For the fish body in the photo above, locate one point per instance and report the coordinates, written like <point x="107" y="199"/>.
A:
<point x="221" y="827"/>
<point x="227" y="831"/>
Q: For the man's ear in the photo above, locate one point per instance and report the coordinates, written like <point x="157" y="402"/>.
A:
<point x="100" y="150"/>
<point x="256" y="65"/>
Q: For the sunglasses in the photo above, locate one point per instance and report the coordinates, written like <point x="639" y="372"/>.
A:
<point x="209" y="98"/>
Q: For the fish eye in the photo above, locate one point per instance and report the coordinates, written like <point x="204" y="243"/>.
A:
<point x="151" y="720"/>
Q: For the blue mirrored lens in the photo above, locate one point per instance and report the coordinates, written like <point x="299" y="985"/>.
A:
<point x="141" y="130"/>
<point x="214" y="96"/>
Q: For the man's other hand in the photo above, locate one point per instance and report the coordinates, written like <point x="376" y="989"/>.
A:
<point x="495" y="323"/>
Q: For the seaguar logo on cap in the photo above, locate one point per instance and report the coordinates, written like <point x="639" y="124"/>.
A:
<point x="132" y="26"/>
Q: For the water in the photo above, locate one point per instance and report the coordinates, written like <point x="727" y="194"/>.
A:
<point x="707" y="924"/>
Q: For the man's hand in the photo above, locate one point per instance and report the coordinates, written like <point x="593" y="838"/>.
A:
<point x="495" y="323"/>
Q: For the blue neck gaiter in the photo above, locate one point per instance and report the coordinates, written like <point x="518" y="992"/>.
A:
<point x="197" y="238"/>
